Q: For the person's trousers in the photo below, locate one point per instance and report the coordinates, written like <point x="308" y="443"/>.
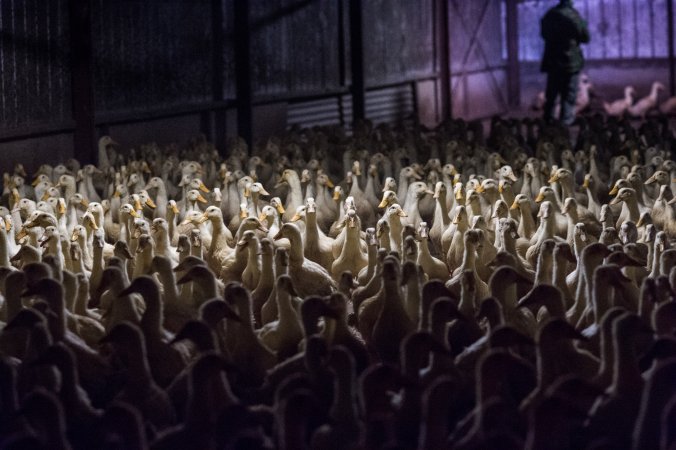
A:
<point x="563" y="85"/>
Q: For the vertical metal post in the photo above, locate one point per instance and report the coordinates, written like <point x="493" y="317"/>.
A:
<point x="217" y="121"/>
<point x="513" y="69"/>
<point x="243" y="70"/>
<point x="82" y="80"/>
<point x="358" y="88"/>
<point x="672" y="56"/>
<point x="444" y="59"/>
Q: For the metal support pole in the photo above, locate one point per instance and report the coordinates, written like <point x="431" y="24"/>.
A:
<point x="216" y="127"/>
<point x="82" y="81"/>
<point x="672" y="56"/>
<point x="358" y="88"/>
<point x="443" y="55"/>
<point x="513" y="69"/>
<point x="243" y="70"/>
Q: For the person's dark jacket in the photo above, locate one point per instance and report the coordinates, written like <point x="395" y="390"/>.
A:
<point x="563" y="30"/>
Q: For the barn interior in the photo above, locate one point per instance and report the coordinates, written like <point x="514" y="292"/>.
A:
<point x="334" y="224"/>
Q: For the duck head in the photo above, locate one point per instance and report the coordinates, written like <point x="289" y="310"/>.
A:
<point x="389" y="198"/>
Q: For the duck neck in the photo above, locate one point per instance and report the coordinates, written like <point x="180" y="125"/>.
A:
<point x="16" y="220"/>
<point x="601" y="290"/>
<point x="475" y="208"/>
<point x="567" y="189"/>
<point x="295" y="194"/>
<point x="96" y="261"/>
<point x="560" y="271"/>
<point x="434" y="426"/>
<point x="252" y="260"/>
<point x="296" y="249"/>
<point x="372" y="255"/>
<point x="655" y="269"/>
<point x="139" y="376"/>
<point x="266" y="279"/>
<point x="355" y="190"/>
<point x="208" y="284"/>
<point x="591" y="195"/>
<point x="82" y="297"/>
<point x="543" y="274"/>
<point x="570" y="234"/>
<point x="254" y="204"/>
<point x="13" y="303"/>
<point x="209" y="394"/>
<point x="469" y="258"/>
<point x="497" y="241"/>
<point x="168" y="280"/>
<point x="344" y="408"/>
<point x="508" y="244"/>
<point x="607" y="364"/>
<point x="311" y="228"/>
<point x="284" y="307"/>
<point x="371" y="184"/>
<point x="162" y="243"/>
<point x="245" y="314"/>
<point x="89" y="258"/>
<point x="403" y="189"/>
<point x="70" y="383"/>
<point x="4" y="249"/>
<point x="171" y="224"/>
<point x="385" y="241"/>
<point x="412" y="208"/>
<point x="555" y="307"/>
<point x="466" y="304"/>
<point x="70" y="291"/>
<point x="546" y="364"/>
<point x="441" y="212"/>
<point x="57" y="304"/>
<point x="392" y="300"/>
<point x="55" y="432"/>
<point x="413" y="297"/>
<point x="423" y="249"/>
<point x="219" y="237"/>
<point x="627" y="379"/>
<point x="351" y="244"/>
<point x="151" y="322"/>
<point x="144" y="262"/>
<point x="632" y="208"/>
<point x="527" y="221"/>
<point x="546" y="228"/>
<point x="508" y="197"/>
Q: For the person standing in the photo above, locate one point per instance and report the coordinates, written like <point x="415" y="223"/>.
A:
<point x="563" y="30"/>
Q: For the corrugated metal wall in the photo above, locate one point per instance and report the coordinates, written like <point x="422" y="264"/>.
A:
<point x="34" y="63"/>
<point x="398" y="40"/>
<point x="394" y="104"/>
<point x="295" y="46"/>
<point x="154" y="56"/>
<point x="619" y="29"/>
<point x="478" y="67"/>
<point x="151" y="55"/>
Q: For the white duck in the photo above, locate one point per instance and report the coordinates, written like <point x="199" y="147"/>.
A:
<point x="619" y="107"/>
<point x="309" y="278"/>
<point x="644" y="105"/>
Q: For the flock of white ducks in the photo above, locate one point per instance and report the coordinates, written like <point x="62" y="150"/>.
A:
<point x="627" y="105"/>
<point x="453" y="290"/>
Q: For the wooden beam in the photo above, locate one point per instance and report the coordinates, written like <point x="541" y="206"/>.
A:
<point x="215" y="126"/>
<point x="82" y="81"/>
<point x="358" y="88"/>
<point x="513" y="67"/>
<point x="672" y="56"/>
<point x="243" y="84"/>
<point x="443" y="58"/>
